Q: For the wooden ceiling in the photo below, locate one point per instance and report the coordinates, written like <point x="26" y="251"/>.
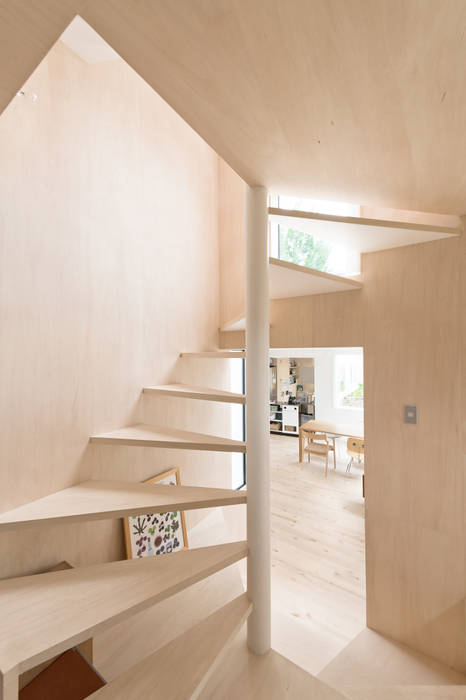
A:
<point x="355" y="100"/>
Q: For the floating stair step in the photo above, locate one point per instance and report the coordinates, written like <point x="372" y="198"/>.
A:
<point x="229" y="354"/>
<point x="43" y="615"/>
<point x="289" y="280"/>
<point x="359" y="233"/>
<point x="170" y="438"/>
<point x="182" y="668"/>
<point x="97" y="500"/>
<point x="195" y="392"/>
<point x="235" y="324"/>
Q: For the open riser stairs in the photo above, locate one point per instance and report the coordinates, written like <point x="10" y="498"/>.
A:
<point x="98" y="500"/>
<point x="141" y="435"/>
<point x="42" y="616"/>
<point x="197" y="653"/>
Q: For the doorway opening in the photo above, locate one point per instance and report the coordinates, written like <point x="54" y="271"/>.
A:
<point x="318" y="539"/>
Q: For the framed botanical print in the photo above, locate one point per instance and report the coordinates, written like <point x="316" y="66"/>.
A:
<point x="153" y="534"/>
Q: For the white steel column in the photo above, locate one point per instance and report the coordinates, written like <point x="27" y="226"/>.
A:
<point x="257" y="418"/>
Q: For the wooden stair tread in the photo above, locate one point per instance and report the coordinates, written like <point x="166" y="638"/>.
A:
<point x="288" y="280"/>
<point x="170" y="438"/>
<point x="45" y="614"/>
<point x="222" y="354"/>
<point x="181" y="668"/>
<point x="358" y="233"/>
<point x="195" y="392"/>
<point x="97" y="500"/>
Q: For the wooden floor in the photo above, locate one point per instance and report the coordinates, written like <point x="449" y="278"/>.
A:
<point x="374" y="662"/>
<point x="318" y="575"/>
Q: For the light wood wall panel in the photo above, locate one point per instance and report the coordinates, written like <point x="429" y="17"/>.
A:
<point x="462" y="330"/>
<point x="231" y="339"/>
<point x="109" y="268"/>
<point x="415" y="474"/>
<point x="232" y="242"/>
<point x="408" y="318"/>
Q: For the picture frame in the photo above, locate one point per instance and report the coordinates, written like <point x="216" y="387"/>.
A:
<point x="153" y="534"/>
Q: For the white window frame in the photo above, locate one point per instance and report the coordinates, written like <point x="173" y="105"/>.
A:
<point x="337" y="395"/>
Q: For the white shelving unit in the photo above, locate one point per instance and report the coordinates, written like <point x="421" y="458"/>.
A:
<point x="287" y="416"/>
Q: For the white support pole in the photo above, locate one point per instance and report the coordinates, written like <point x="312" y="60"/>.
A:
<point x="257" y="418"/>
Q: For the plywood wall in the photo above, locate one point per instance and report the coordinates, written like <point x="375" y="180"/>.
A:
<point x="410" y="318"/>
<point x="109" y="268"/>
<point x="232" y="242"/>
<point x="415" y="484"/>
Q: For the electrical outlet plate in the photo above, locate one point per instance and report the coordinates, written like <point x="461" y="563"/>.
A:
<point x="410" y="414"/>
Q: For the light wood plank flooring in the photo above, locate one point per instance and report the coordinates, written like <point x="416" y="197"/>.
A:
<point x="374" y="662"/>
<point x="318" y="574"/>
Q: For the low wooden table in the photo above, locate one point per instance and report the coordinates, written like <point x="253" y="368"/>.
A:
<point x="340" y="429"/>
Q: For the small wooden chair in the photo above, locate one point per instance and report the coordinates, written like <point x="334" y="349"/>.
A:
<point x="355" y="448"/>
<point x="319" y="444"/>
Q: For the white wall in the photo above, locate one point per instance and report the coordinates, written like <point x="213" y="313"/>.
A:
<point x="324" y="379"/>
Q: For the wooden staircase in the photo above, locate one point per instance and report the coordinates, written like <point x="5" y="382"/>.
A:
<point x="44" y="615"/>
<point x="98" y="500"/>
<point x="195" y="653"/>
<point x="170" y="438"/>
<point x="195" y="392"/>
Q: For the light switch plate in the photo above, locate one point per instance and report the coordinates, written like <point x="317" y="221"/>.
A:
<point x="410" y="414"/>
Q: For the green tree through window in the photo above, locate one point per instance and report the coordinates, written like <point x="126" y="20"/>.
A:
<point x="302" y="249"/>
